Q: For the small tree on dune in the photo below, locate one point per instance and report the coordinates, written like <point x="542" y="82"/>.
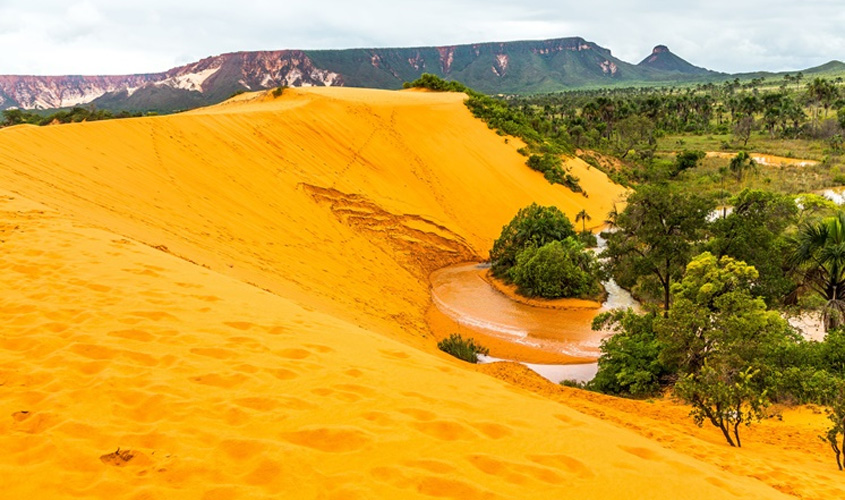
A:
<point x="716" y="334"/>
<point x="835" y="435"/>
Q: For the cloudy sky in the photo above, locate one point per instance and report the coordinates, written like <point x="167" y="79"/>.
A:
<point x="115" y="36"/>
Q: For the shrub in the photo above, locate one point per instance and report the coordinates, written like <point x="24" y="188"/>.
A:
<point x="434" y="82"/>
<point x="534" y="225"/>
<point x="551" y="166"/>
<point x="461" y="348"/>
<point x="629" y="363"/>
<point x="557" y="269"/>
<point x="588" y="239"/>
<point x="278" y="91"/>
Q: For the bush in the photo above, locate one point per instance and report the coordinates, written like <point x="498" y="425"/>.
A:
<point x="551" y="166"/>
<point x="434" y="82"/>
<point x="278" y="91"/>
<point x="588" y="239"/>
<point x="629" y="363"/>
<point x="557" y="269"/>
<point x="464" y="349"/>
<point x="534" y="225"/>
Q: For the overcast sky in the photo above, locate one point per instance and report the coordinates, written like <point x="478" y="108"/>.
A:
<point x="51" y="37"/>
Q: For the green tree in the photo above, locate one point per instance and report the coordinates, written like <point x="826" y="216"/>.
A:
<point x="823" y="93"/>
<point x="583" y="217"/>
<point x="534" y="225"/>
<point x="657" y="234"/>
<point x="629" y="363"/>
<point x="835" y="435"/>
<point x="635" y="133"/>
<point x="725" y="398"/>
<point x="819" y="258"/>
<point x="686" y="160"/>
<point x="714" y="313"/>
<point x="717" y="334"/>
<point x="740" y="164"/>
<point x="557" y="269"/>
<point x="743" y="128"/>
<point x="754" y="232"/>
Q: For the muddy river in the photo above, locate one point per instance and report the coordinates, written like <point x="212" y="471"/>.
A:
<point x="461" y="293"/>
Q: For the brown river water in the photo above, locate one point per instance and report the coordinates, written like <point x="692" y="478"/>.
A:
<point x="461" y="293"/>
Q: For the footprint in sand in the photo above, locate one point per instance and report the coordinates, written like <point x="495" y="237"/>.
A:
<point x="329" y="439"/>
<point x="293" y="353"/>
<point x="239" y="325"/>
<point x="445" y="430"/>
<point x="132" y="334"/>
<point x="564" y="462"/>
<point x="217" y="380"/>
<point x="214" y="352"/>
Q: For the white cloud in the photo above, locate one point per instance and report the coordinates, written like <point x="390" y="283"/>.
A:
<point x="100" y="36"/>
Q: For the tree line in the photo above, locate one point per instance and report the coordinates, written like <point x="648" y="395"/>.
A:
<point x="74" y="115"/>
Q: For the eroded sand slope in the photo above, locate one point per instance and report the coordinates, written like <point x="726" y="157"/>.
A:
<point x="136" y="361"/>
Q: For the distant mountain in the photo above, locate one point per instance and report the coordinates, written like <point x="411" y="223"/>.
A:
<point x="662" y="59"/>
<point x="832" y="67"/>
<point x="496" y="67"/>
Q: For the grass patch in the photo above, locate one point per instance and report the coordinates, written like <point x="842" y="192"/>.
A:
<point x="461" y="348"/>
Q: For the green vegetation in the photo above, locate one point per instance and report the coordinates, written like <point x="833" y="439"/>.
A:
<point x="464" y="349"/>
<point x="278" y="91"/>
<point x="755" y="232"/>
<point x="716" y="335"/>
<point x="74" y="115"/>
<point x="714" y="340"/>
<point x="543" y="152"/>
<point x="718" y="247"/>
<point x="561" y="268"/>
<point x="630" y="363"/>
<point x="655" y="239"/>
<point x="835" y="435"/>
<point x="534" y="225"/>
<point x="820" y="257"/>
<point x="539" y="251"/>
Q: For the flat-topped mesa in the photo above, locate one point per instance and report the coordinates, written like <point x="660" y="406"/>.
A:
<point x="523" y="66"/>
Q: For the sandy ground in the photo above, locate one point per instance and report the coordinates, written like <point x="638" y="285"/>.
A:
<point x="231" y="303"/>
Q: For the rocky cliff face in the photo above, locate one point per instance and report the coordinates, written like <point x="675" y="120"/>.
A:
<point x="246" y="70"/>
<point x="45" y="92"/>
<point x="501" y="67"/>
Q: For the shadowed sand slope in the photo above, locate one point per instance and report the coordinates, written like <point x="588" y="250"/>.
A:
<point x="345" y="199"/>
<point x="126" y="372"/>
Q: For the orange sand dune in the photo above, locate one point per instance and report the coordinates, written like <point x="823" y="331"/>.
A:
<point x="345" y="199"/>
<point x="126" y="372"/>
<point x="230" y="303"/>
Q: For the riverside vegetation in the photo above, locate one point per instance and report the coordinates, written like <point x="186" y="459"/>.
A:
<point x="718" y="248"/>
<point x="540" y="253"/>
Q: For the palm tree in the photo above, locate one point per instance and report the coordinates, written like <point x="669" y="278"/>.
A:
<point x="819" y="255"/>
<point x="741" y="163"/>
<point x="583" y="216"/>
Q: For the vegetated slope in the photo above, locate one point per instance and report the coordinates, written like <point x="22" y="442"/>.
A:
<point x="663" y="59"/>
<point x="129" y="373"/>
<point x="495" y="67"/>
<point x="344" y="199"/>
